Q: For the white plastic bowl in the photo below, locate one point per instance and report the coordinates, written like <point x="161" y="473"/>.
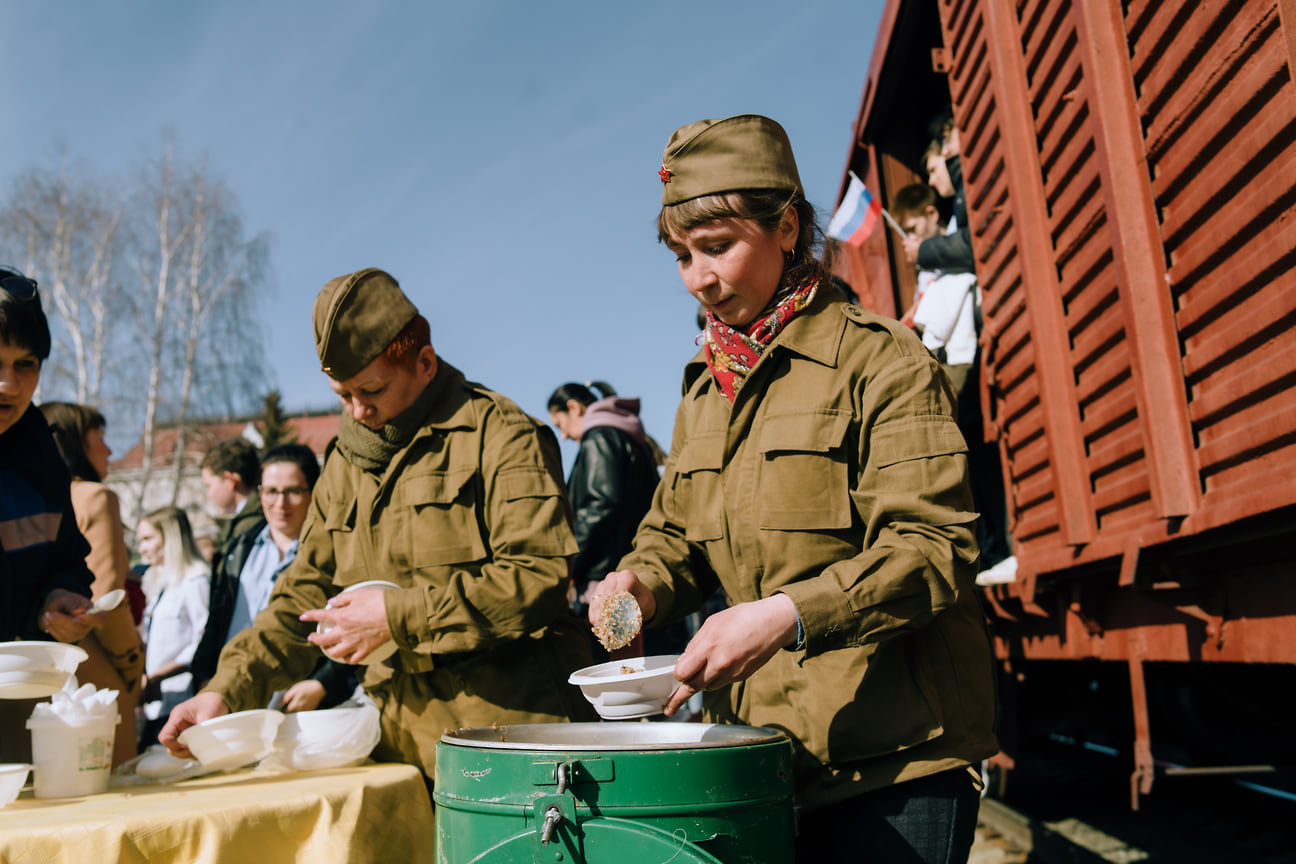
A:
<point x="13" y="776"/>
<point x="33" y="670"/>
<point x="626" y="689"/>
<point x="328" y="738"/>
<point x="383" y="651"/>
<point x="233" y="740"/>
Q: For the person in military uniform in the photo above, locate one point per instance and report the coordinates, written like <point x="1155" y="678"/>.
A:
<point x="451" y="492"/>
<point x="818" y="475"/>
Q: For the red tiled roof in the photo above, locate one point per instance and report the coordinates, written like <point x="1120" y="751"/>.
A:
<point x="314" y="431"/>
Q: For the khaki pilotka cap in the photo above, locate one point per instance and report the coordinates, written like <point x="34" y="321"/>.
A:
<point x="356" y="317"/>
<point x="713" y="156"/>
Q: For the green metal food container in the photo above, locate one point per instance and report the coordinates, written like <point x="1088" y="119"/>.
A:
<point x="614" y="793"/>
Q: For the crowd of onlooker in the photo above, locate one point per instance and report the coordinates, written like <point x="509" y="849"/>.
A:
<point x="817" y="481"/>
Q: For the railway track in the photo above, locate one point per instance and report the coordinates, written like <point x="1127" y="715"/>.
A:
<point x="1072" y="804"/>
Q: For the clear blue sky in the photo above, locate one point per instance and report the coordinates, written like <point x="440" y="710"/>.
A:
<point x="499" y="158"/>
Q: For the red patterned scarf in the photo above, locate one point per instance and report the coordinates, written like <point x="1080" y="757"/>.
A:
<point x="731" y="353"/>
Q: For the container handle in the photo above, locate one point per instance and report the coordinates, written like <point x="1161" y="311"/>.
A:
<point x="564" y="776"/>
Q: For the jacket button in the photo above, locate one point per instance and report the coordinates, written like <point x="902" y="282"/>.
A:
<point x="412" y="640"/>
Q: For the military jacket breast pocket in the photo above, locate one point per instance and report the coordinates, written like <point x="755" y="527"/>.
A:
<point x="440" y="514"/>
<point x="340" y="524"/>
<point x="698" y="492"/>
<point x="804" y="473"/>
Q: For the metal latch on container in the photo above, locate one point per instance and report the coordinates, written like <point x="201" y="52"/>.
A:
<point x="556" y="828"/>
<point x="553" y="816"/>
<point x="566" y="774"/>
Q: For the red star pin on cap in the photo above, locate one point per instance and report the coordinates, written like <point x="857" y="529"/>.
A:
<point x="664" y="174"/>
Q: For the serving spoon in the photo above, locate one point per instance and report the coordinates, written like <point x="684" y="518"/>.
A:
<point x="109" y="601"/>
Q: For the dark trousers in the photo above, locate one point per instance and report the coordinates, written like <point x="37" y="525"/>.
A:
<point x="931" y="820"/>
<point x="985" y="473"/>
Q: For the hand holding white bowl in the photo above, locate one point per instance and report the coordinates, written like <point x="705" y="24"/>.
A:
<point x="352" y="628"/>
<point x="233" y="740"/>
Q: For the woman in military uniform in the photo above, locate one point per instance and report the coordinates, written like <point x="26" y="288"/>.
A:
<point x="816" y="474"/>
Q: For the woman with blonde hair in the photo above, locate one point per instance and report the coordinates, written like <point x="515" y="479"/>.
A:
<point x="177" y="587"/>
<point x="116" y="659"/>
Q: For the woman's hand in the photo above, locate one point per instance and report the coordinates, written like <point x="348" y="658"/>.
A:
<point x="732" y="644"/>
<point x="359" y="625"/>
<point x="621" y="580"/>
<point x="67" y="616"/>
<point x="303" y="696"/>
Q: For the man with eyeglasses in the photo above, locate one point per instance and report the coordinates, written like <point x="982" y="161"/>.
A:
<point x="452" y="493"/>
<point x="251" y="563"/>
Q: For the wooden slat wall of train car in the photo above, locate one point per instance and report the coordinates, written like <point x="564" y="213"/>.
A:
<point x="1216" y="98"/>
<point x="1032" y="389"/>
<point x="1083" y="337"/>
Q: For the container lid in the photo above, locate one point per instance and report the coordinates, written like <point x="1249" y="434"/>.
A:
<point x="611" y="736"/>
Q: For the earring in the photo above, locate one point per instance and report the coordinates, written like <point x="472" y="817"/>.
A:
<point x="789" y="255"/>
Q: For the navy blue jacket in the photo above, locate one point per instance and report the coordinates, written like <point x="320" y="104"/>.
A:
<point x="41" y="548"/>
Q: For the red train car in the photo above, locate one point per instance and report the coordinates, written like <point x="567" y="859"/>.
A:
<point x="1130" y="174"/>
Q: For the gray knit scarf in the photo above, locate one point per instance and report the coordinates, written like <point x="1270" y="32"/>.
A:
<point x="373" y="451"/>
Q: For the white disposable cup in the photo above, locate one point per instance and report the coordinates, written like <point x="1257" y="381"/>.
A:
<point x="71" y="758"/>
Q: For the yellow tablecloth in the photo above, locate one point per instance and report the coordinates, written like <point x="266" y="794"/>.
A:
<point x="370" y="813"/>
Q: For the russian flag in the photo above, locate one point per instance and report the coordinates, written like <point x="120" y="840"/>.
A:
<point x="856" y="216"/>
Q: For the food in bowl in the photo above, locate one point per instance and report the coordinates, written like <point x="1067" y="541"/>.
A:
<point x="233" y="740"/>
<point x="383" y="651"/>
<point x="13" y="776"/>
<point x="33" y="669"/>
<point x="629" y="688"/>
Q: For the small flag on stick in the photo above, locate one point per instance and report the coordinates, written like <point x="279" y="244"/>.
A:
<point x="856" y="216"/>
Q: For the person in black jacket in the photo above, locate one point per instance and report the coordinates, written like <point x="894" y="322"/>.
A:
<point x="611" y="487"/>
<point x="44" y="580"/>
<point x="244" y="574"/>
<point x="949" y="252"/>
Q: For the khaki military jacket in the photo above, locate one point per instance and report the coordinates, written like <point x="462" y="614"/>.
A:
<point x="471" y="520"/>
<point x="839" y="478"/>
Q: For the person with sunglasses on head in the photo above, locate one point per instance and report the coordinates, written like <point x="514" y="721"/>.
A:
<point x="44" y="581"/>
<point x="818" y="476"/>
<point x="251" y="564"/>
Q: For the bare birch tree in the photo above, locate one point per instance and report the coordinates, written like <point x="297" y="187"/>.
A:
<point x="219" y="268"/>
<point x="197" y="269"/>
<point x="67" y="228"/>
<point x="152" y="288"/>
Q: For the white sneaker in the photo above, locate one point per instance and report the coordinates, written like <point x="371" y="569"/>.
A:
<point x="1000" y="574"/>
